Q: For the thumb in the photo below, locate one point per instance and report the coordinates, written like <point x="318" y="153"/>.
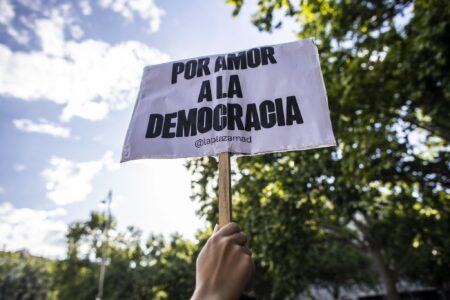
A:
<point x="216" y="228"/>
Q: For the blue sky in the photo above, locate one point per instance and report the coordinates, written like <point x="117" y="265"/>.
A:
<point x="69" y="72"/>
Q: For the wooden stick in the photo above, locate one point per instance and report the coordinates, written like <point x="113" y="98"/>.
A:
<point x="224" y="189"/>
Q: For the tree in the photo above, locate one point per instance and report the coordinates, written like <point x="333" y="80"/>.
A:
<point x="156" y="269"/>
<point x="336" y="266"/>
<point x="23" y="276"/>
<point x="385" y="188"/>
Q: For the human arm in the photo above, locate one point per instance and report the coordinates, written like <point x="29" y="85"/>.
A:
<point x="224" y="265"/>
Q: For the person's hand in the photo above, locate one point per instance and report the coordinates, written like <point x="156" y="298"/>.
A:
<point x="224" y="266"/>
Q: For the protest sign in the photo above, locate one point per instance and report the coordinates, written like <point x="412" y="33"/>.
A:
<point x="260" y="100"/>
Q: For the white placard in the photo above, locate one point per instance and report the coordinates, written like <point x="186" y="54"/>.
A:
<point x="264" y="99"/>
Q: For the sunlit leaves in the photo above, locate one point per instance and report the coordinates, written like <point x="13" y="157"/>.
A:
<point x="385" y="65"/>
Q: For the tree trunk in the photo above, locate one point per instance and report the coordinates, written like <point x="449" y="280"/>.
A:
<point x="386" y="274"/>
<point x="336" y="292"/>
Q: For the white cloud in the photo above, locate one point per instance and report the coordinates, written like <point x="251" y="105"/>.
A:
<point x="145" y="9"/>
<point x="7" y="15"/>
<point x="2" y="190"/>
<point x="92" y="79"/>
<point x="26" y="12"/>
<point x="85" y="7"/>
<point x="44" y="127"/>
<point x="68" y="181"/>
<point x="6" y="12"/>
<point x="19" y="167"/>
<point x="88" y="78"/>
<point x="51" y="33"/>
<point x="35" y="230"/>
<point x="109" y="163"/>
<point x="76" y="32"/>
<point x="35" y="17"/>
<point x="34" y="5"/>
